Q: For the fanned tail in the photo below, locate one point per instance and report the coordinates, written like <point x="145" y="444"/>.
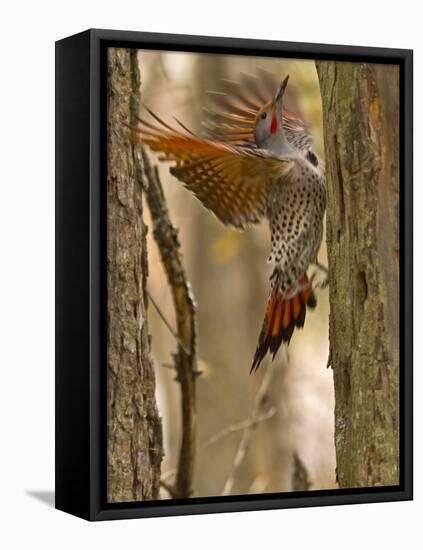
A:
<point x="283" y="314"/>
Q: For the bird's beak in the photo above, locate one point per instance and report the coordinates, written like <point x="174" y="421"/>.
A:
<point x="285" y="149"/>
<point x="277" y="102"/>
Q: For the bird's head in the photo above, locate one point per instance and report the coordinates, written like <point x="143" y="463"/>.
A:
<point x="268" y="130"/>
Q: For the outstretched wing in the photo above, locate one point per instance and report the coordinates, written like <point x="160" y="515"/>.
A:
<point x="232" y="121"/>
<point x="233" y="182"/>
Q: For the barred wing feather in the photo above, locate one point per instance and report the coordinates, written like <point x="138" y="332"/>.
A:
<point x="235" y="109"/>
<point x="233" y="182"/>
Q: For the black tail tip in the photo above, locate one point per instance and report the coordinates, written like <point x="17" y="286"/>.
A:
<point x="254" y="366"/>
<point x="312" y="301"/>
<point x="258" y="357"/>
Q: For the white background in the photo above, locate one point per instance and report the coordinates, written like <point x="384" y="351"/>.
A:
<point x="28" y="32"/>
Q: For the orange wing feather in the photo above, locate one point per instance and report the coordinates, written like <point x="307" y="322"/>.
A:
<point x="236" y="111"/>
<point x="232" y="182"/>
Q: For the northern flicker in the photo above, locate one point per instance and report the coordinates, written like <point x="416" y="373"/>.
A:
<point x="256" y="161"/>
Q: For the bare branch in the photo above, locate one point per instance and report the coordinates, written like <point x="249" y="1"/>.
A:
<point x="240" y="426"/>
<point x="167" y="475"/>
<point x="169" y="488"/>
<point x="248" y="431"/>
<point x="166" y="237"/>
<point x="300" y="477"/>
<point x="166" y="322"/>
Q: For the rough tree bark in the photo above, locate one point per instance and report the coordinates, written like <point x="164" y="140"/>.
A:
<point x="135" y="447"/>
<point x="361" y="127"/>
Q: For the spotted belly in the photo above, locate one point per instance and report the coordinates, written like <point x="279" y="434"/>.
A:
<point x="296" y="210"/>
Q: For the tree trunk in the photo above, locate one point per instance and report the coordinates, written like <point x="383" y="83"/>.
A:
<point x="135" y="448"/>
<point x="361" y="128"/>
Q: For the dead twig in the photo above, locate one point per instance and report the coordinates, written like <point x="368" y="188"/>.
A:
<point x="167" y="487"/>
<point x="240" y="426"/>
<point x="166" y="237"/>
<point x="300" y="477"/>
<point x="248" y="430"/>
<point x="166" y="322"/>
<point x="169" y="474"/>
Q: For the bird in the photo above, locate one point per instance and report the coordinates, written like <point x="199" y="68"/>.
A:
<point x="255" y="160"/>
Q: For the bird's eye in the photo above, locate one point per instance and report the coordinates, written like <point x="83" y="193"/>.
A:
<point x="263" y="115"/>
<point x="311" y="157"/>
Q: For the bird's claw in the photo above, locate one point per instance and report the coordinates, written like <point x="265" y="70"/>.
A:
<point x="323" y="283"/>
<point x="320" y="285"/>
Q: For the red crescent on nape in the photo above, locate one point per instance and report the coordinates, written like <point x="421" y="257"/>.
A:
<point x="274" y="124"/>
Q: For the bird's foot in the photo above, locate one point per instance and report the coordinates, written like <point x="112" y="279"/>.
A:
<point x="321" y="283"/>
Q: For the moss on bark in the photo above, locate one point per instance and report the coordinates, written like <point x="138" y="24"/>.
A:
<point x="361" y="128"/>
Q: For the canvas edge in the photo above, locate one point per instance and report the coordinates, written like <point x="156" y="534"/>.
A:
<point x="93" y="461"/>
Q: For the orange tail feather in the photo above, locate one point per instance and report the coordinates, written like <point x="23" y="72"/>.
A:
<point x="283" y="315"/>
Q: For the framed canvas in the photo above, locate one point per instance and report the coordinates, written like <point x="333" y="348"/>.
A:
<point x="233" y="274"/>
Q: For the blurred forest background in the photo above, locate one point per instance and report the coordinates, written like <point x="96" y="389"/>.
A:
<point x="229" y="275"/>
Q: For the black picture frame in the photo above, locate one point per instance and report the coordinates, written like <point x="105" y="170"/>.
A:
<point x="80" y="273"/>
